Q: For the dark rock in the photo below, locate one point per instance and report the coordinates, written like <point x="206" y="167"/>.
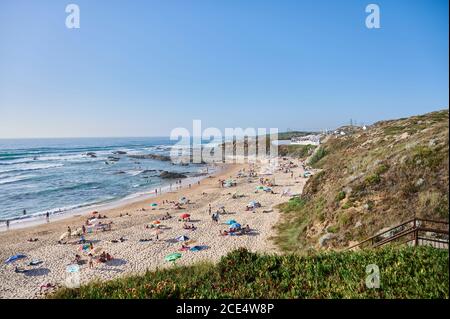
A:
<point x="171" y="175"/>
<point x="151" y="156"/>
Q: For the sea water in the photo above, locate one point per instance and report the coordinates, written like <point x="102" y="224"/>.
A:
<point x="58" y="175"/>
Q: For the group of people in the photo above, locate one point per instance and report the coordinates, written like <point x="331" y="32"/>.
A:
<point x="235" y="231"/>
<point x="189" y="227"/>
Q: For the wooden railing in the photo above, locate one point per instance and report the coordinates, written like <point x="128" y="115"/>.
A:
<point x="414" y="232"/>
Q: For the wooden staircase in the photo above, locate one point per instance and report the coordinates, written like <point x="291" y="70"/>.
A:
<point x="414" y="232"/>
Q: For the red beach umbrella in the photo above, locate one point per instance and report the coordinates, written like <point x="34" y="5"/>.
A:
<point x="184" y="216"/>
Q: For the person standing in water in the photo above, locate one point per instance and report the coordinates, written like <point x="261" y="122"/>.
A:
<point x="47" y="215"/>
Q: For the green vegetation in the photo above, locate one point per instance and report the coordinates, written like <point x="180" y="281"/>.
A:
<point x="340" y="196"/>
<point x="291" y="134"/>
<point x="391" y="172"/>
<point x="405" y="273"/>
<point x="373" y="179"/>
<point x="296" y="151"/>
<point x="318" y="155"/>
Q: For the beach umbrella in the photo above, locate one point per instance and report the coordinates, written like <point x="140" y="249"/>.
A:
<point x="260" y="187"/>
<point x="231" y="222"/>
<point x="153" y="204"/>
<point x="172" y="257"/>
<point x="182" y="238"/>
<point x="64" y="235"/>
<point x="156" y="222"/>
<point x="77" y="232"/>
<point x="183" y="199"/>
<point x="184" y="216"/>
<point x="14" y="258"/>
<point x="93" y="213"/>
<point x="235" y="225"/>
<point x="252" y="203"/>
<point x="197" y="248"/>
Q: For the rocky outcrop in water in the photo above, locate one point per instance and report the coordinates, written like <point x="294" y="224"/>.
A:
<point x="171" y="175"/>
<point x="157" y="157"/>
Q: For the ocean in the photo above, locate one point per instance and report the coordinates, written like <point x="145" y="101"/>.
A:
<point x="59" y="175"/>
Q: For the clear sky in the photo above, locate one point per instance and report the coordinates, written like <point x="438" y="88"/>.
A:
<point x="141" y="68"/>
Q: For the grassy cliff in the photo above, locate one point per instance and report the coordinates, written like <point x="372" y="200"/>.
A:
<point x="369" y="180"/>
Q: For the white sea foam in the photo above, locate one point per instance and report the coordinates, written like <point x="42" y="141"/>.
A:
<point x="29" y="167"/>
<point x="13" y="179"/>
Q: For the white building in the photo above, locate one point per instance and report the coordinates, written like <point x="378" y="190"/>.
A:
<point x="306" y="140"/>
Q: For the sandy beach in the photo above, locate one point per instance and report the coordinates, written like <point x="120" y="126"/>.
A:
<point x="133" y="256"/>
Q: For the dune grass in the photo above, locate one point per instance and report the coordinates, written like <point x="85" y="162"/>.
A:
<point x="404" y="273"/>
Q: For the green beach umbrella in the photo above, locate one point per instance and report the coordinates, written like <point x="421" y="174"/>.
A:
<point x="172" y="257"/>
<point x="153" y="204"/>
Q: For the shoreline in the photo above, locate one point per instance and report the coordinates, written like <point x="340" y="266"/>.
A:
<point x="142" y="250"/>
<point x="36" y="220"/>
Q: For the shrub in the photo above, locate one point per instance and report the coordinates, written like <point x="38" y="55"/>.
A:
<point x="373" y="179"/>
<point x="318" y="155"/>
<point x="340" y="196"/>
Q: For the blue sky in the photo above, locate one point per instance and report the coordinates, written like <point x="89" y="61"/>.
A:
<point x="141" y="68"/>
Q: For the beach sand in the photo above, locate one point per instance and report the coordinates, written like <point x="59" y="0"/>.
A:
<point x="135" y="257"/>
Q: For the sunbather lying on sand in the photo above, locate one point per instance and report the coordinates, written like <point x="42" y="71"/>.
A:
<point x="104" y="257"/>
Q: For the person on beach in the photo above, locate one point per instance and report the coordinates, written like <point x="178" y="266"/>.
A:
<point x="47" y="216"/>
<point x="7" y="224"/>
<point x="24" y="211"/>
<point x="156" y="191"/>
<point x="69" y="231"/>
<point x="83" y="228"/>
<point x="91" y="260"/>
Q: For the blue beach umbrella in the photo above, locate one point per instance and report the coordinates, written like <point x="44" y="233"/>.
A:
<point x="198" y="248"/>
<point x="182" y="238"/>
<point x="14" y="258"/>
<point x="231" y="222"/>
<point x="235" y="225"/>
